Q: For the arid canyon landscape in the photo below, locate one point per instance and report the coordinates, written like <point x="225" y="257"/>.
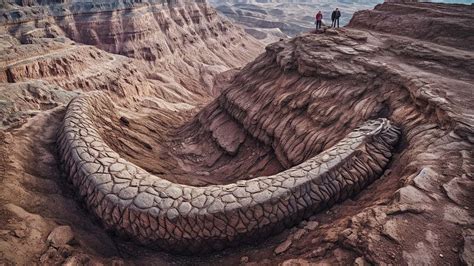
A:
<point x="177" y="132"/>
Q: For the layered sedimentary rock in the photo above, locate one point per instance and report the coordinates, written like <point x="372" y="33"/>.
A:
<point x="292" y="106"/>
<point x="171" y="51"/>
<point x="437" y="23"/>
<point x="185" y="42"/>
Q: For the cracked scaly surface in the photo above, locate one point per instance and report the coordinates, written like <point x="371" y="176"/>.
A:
<point x="182" y="218"/>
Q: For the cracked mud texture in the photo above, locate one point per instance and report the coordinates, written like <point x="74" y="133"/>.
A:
<point x="197" y="219"/>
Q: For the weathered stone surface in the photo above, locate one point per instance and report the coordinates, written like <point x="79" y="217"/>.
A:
<point x="459" y="190"/>
<point x="217" y="207"/>
<point x="411" y="195"/>
<point x="296" y="262"/>
<point x="360" y="261"/>
<point x="60" y="236"/>
<point x="421" y="86"/>
<point x="457" y="215"/>
<point x="420" y="255"/>
<point x="144" y="200"/>
<point x="467" y="253"/>
<point x="426" y="180"/>
<point x="312" y="225"/>
<point x="284" y="246"/>
<point x="390" y="230"/>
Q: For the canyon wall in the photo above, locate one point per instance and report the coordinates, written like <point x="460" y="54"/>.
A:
<point x="92" y="93"/>
<point x="185" y="42"/>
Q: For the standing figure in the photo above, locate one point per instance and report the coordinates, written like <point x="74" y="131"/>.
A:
<point x="336" y="14"/>
<point x="319" y="19"/>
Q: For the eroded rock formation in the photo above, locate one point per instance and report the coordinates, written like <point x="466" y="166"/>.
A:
<point x="198" y="219"/>
<point x="439" y="24"/>
<point x="278" y="119"/>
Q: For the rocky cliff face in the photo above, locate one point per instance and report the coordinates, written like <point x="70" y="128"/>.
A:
<point x="165" y="125"/>
<point x="446" y="25"/>
<point x="147" y="54"/>
<point x="186" y="40"/>
<point x="290" y="105"/>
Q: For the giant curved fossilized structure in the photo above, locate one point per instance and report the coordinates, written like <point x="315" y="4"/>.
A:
<point x="184" y="218"/>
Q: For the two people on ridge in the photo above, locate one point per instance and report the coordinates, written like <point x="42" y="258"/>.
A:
<point x="336" y="14"/>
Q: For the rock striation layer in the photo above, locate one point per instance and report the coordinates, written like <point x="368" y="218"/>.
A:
<point x="447" y="25"/>
<point x="192" y="127"/>
<point x="185" y="41"/>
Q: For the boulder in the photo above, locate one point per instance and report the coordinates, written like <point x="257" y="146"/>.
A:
<point x="61" y="236"/>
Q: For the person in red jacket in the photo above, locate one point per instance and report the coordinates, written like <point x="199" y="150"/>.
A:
<point x="319" y="19"/>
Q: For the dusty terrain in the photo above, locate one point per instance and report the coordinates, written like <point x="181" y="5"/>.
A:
<point x="180" y="108"/>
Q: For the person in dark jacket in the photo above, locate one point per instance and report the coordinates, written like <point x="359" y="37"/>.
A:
<point x="336" y="14"/>
<point x="319" y="19"/>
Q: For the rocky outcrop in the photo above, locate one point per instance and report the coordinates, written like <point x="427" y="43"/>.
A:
<point x="286" y="100"/>
<point x="193" y="129"/>
<point x="164" y="57"/>
<point x="183" y="218"/>
<point x="438" y="23"/>
<point x="77" y="67"/>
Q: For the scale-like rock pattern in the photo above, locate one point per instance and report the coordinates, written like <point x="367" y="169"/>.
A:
<point x="184" y="218"/>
